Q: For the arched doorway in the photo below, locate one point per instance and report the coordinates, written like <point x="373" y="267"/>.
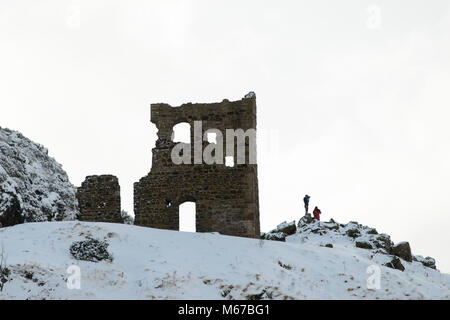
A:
<point x="187" y="213"/>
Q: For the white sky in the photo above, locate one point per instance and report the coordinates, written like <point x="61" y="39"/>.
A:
<point x="355" y="116"/>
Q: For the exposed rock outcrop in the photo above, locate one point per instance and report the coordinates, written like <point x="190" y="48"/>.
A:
<point x="275" y="236"/>
<point x="395" y="263"/>
<point x="287" y="228"/>
<point x="351" y="233"/>
<point x="402" y="250"/>
<point x="33" y="186"/>
<point x="281" y="232"/>
<point x="427" y="262"/>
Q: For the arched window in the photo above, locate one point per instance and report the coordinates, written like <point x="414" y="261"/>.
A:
<point x="229" y="161"/>
<point x="187" y="216"/>
<point x="212" y="137"/>
<point x="182" y="133"/>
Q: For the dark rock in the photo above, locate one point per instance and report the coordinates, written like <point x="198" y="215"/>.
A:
<point x="331" y="226"/>
<point x="372" y="231"/>
<point x="318" y="231"/>
<point x="395" y="264"/>
<point x="363" y="245"/>
<point x="383" y="241"/>
<point x="353" y="233"/>
<point x="402" y="250"/>
<point x="284" y="266"/>
<point x="428" y="262"/>
<point x="287" y="228"/>
<point x="329" y="245"/>
<point x="258" y="296"/>
<point x="306" y="219"/>
<point x="277" y="236"/>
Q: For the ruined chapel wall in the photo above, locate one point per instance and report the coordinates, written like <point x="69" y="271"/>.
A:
<point x="226" y="197"/>
<point x="99" y="199"/>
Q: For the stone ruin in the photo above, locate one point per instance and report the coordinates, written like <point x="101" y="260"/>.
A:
<point x="226" y="197"/>
<point x="99" y="199"/>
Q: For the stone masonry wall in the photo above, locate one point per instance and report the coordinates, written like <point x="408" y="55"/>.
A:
<point x="226" y="197"/>
<point x="99" y="199"/>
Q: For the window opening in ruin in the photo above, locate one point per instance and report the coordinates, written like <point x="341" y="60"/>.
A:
<point x="229" y="161"/>
<point x="182" y="133"/>
<point x="212" y="137"/>
<point x="187" y="216"/>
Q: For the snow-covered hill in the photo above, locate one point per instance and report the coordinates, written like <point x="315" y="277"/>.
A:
<point x="160" y="264"/>
<point x="33" y="186"/>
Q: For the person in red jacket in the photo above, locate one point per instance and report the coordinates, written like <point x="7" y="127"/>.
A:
<point x="317" y="213"/>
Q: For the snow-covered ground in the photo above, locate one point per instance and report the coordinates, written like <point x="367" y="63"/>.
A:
<point x="160" y="264"/>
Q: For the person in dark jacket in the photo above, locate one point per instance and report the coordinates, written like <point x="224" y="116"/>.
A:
<point x="306" y="201"/>
<point x="317" y="213"/>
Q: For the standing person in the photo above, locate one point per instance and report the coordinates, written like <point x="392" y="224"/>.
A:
<point x="306" y="201"/>
<point x="317" y="213"/>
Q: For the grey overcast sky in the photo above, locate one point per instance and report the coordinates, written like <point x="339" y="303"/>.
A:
<point x="353" y="97"/>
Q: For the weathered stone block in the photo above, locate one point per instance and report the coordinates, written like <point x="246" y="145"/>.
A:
<point x="402" y="250"/>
